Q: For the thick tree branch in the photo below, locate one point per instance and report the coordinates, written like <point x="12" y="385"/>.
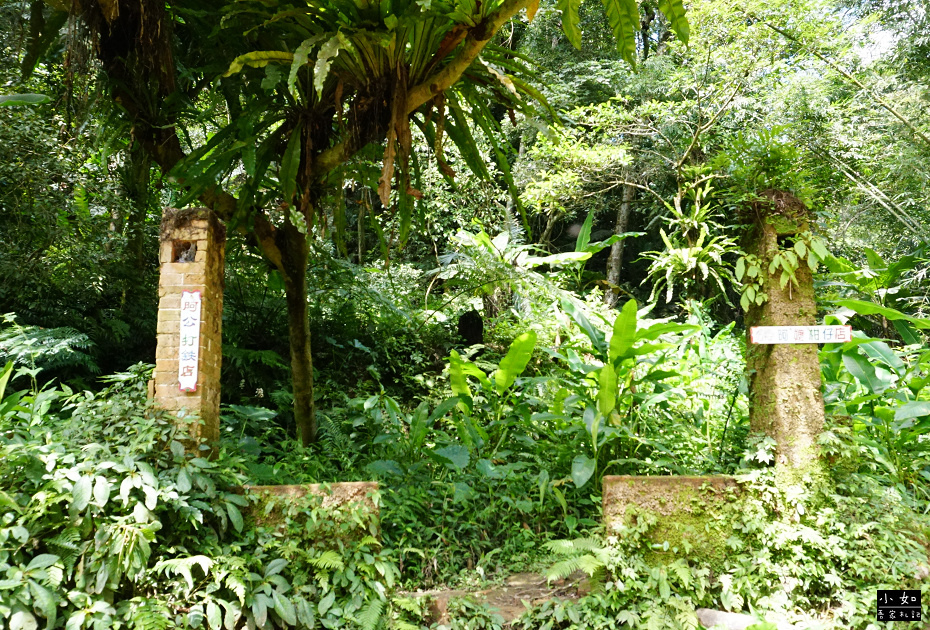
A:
<point x="474" y="43"/>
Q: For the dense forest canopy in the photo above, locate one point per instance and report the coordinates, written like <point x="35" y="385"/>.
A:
<point x="486" y="253"/>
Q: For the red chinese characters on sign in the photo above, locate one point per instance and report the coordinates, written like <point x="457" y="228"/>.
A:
<point x="189" y="341"/>
<point x="799" y="334"/>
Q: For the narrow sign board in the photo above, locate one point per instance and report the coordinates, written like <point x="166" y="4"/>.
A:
<point x="189" y="344"/>
<point x="800" y="334"/>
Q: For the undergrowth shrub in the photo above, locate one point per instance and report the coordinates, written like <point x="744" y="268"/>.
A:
<point x="107" y="521"/>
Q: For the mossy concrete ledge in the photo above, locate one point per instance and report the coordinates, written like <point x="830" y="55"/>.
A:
<point x="692" y="514"/>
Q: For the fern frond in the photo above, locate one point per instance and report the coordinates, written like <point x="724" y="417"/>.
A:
<point x="408" y="604"/>
<point x="562" y="569"/>
<point x="183" y="566"/>
<point x="329" y="560"/>
<point x="371" y="615"/>
<point x="149" y="614"/>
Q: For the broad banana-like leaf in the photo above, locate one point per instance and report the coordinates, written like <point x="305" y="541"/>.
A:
<point x="457" y="378"/>
<point x="624" y="332"/>
<point x="515" y="361"/>
<point x="867" y="308"/>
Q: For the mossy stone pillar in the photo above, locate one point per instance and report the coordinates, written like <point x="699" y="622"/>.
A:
<point x="190" y="315"/>
<point x="785" y="387"/>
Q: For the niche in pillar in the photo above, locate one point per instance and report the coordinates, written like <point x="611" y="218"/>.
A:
<point x="190" y="314"/>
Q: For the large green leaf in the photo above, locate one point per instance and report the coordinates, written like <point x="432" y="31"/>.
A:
<point x="624" y="332"/>
<point x="584" y="234"/>
<point x="569" y="9"/>
<point x="457" y="378"/>
<point x="623" y="16"/>
<point x="582" y="469"/>
<point x="455" y="454"/>
<point x="881" y="351"/>
<point x="515" y="361"/>
<point x="674" y="10"/>
<point x="9" y="100"/>
<point x="913" y="409"/>
<point x="576" y="312"/>
<point x="867" y="308"/>
<point x="865" y="372"/>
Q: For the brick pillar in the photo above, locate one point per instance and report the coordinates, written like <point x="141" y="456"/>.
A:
<point x="192" y="256"/>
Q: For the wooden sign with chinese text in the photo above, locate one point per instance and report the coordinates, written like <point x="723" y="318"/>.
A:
<point x="800" y="334"/>
<point x="189" y="344"/>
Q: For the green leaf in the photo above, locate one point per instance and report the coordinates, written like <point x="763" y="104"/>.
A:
<point x="623" y="16"/>
<point x="864" y="372"/>
<point x="515" y="361"/>
<point x="275" y="566"/>
<point x="607" y="390"/>
<point x="582" y="469"/>
<point x="81" y="493"/>
<point x="290" y="163"/>
<point x="46" y="601"/>
<point x="23" y="620"/>
<point x="10" y="100"/>
<point x="301" y="56"/>
<point x="214" y="616"/>
<point x="42" y="561"/>
<point x="740" y="269"/>
<point x="258" y="59"/>
<point x="284" y="608"/>
<point x="624" y="334"/>
<point x="457" y="378"/>
<point x="584" y="235"/>
<point x="456" y="454"/>
<point x="905" y="329"/>
<point x="881" y="351"/>
<point x="385" y="467"/>
<point x="563" y="258"/>
<point x="867" y="308"/>
<point x="101" y="491"/>
<point x="5" y="377"/>
<point x="569" y="9"/>
<point x="324" y="60"/>
<point x="913" y="409"/>
<point x="235" y="516"/>
<point x="577" y="313"/>
<point x="326" y="603"/>
<point x="674" y="10"/>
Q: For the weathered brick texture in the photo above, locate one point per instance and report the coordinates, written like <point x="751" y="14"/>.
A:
<point x="199" y="409"/>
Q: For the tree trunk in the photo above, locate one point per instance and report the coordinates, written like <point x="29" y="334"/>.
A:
<point x="136" y="180"/>
<point x="294" y="262"/>
<point x="785" y="398"/>
<point x="615" y="260"/>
